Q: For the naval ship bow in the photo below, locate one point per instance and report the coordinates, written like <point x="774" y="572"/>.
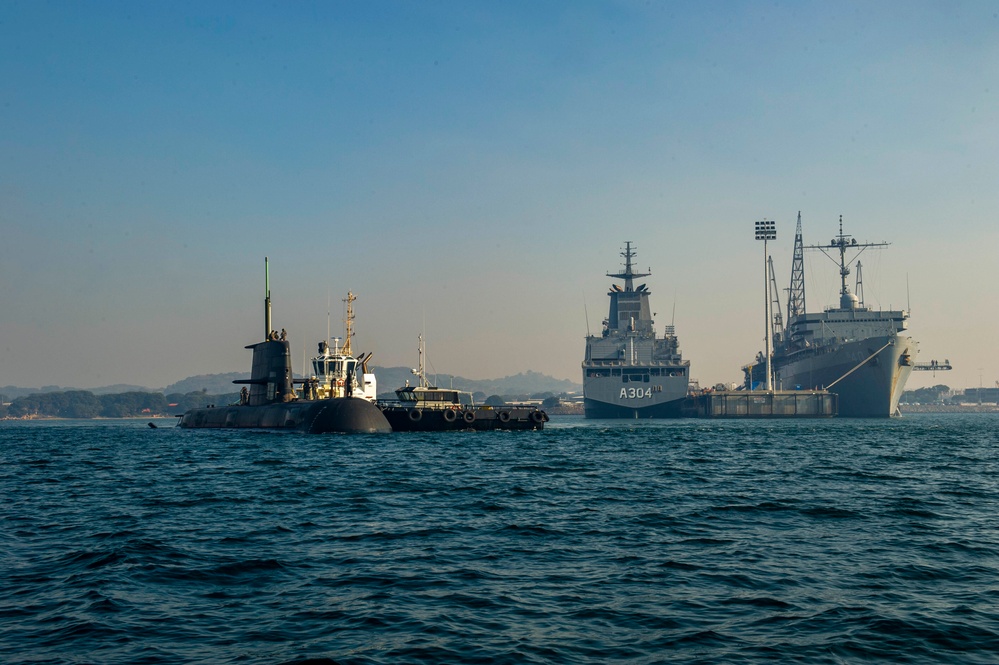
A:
<point x="628" y="372"/>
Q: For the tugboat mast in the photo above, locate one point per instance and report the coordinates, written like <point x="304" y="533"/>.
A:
<point x="421" y="372"/>
<point x="349" y="322"/>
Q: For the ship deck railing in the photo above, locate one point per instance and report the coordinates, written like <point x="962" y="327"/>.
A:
<point x="426" y="406"/>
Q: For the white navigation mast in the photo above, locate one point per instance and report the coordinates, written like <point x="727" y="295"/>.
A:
<point x="349" y="322"/>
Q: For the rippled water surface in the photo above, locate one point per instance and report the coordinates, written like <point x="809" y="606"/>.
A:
<point x="590" y="542"/>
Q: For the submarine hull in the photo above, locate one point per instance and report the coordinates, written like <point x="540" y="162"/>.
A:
<point x="344" y="415"/>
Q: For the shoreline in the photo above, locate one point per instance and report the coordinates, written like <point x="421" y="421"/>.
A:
<point x="948" y="408"/>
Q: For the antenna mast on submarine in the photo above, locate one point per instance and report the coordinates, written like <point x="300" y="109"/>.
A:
<point x="267" y="300"/>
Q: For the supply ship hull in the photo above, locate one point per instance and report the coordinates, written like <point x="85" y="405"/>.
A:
<point x="628" y="372"/>
<point x="871" y="390"/>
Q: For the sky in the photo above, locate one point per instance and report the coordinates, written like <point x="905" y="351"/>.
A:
<point x="471" y="171"/>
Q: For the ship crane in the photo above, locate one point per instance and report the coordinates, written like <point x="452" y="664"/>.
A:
<point x="778" y="321"/>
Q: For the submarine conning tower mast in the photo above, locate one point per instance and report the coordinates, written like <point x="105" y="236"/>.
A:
<point x="842" y="243"/>
<point x="270" y="375"/>
<point x="267" y="300"/>
<point x="629" y="308"/>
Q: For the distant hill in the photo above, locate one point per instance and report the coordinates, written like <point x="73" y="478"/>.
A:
<point x="525" y="383"/>
<point x="13" y="392"/>
<point x="214" y="384"/>
<point x="389" y="378"/>
<point x="119" y="388"/>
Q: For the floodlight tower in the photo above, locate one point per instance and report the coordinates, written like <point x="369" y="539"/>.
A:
<point x="767" y="230"/>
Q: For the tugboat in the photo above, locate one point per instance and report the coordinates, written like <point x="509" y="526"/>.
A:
<point x="272" y="403"/>
<point x="427" y="408"/>
<point x="334" y="368"/>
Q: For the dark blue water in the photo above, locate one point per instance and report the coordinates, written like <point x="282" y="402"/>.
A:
<point x="611" y="542"/>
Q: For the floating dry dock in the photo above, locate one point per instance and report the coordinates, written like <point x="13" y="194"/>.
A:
<point x="762" y="404"/>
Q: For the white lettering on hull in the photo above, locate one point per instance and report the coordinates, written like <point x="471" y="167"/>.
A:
<point x="639" y="393"/>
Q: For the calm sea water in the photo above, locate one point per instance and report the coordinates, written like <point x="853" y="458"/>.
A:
<point x="591" y="542"/>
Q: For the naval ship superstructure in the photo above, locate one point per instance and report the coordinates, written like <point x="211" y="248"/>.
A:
<point x="628" y="372"/>
<point x="861" y="354"/>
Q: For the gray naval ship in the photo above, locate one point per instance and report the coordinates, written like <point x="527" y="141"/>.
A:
<point x="628" y="372"/>
<point x="861" y="354"/>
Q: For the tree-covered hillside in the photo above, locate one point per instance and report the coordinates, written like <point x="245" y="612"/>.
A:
<point x="85" y="404"/>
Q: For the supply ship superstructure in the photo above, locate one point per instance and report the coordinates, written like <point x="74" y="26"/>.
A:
<point x="628" y="372"/>
<point x="861" y="354"/>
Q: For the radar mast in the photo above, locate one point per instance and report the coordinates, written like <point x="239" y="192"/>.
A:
<point x="628" y="275"/>
<point x="841" y="243"/>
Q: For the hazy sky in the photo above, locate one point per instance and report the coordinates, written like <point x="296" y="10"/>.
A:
<point x="473" y="169"/>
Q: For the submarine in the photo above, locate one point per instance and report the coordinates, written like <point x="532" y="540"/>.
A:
<point x="271" y="402"/>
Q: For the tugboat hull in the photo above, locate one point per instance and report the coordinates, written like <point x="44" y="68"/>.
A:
<point x="407" y="419"/>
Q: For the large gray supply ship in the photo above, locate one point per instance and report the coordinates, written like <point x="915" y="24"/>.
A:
<point x="628" y="372"/>
<point x="861" y="354"/>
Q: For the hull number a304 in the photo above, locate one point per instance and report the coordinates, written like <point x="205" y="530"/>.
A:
<point x="639" y="393"/>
